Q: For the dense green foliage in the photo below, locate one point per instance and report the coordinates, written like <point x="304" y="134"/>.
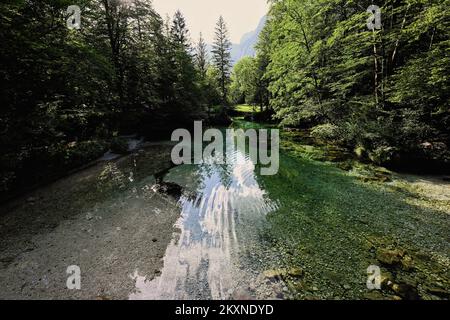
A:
<point x="244" y="81"/>
<point x="67" y="93"/>
<point x="63" y="91"/>
<point x="384" y="93"/>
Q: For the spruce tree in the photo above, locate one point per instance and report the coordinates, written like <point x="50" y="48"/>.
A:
<point x="201" y="57"/>
<point x="179" y="31"/>
<point x="186" y="88"/>
<point x="222" y="57"/>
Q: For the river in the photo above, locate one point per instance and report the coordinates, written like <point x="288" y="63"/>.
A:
<point x="309" y="232"/>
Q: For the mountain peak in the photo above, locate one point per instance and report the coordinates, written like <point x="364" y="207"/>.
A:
<point x="248" y="41"/>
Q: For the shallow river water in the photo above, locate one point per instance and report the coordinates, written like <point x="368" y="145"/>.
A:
<point x="309" y="232"/>
<point x="222" y="212"/>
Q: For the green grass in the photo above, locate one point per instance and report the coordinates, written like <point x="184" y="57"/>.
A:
<point x="245" y="108"/>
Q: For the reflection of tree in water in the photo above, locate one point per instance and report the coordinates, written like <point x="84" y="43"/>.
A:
<point x="228" y="207"/>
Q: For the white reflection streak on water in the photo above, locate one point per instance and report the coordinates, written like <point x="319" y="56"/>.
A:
<point x="199" y="265"/>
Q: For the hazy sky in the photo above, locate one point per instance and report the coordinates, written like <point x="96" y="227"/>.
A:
<point x="241" y="16"/>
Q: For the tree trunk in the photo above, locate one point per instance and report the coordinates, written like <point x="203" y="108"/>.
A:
<point x="375" y="55"/>
<point x="399" y="36"/>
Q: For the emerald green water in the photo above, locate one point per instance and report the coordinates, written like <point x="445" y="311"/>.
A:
<point x="331" y="224"/>
<point x="237" y="226"/>
<point x="308" y="232"/>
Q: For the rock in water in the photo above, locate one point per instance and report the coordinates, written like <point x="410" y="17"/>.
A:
<point x="395" y="258"/>
<point x="374" y="295"/>
<point x="439" y="292"/>
<point x="168" y="188"/>
<point x="390" y="257"/>
<point x="407" y="263"/>
<point x="274" y="274"/>
<point x="279" y="274"/>
<point x="295" y="272"/>
<point x="406" y="291"/>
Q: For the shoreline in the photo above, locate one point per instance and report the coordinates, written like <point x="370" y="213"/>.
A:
<point x="82" y="220"/>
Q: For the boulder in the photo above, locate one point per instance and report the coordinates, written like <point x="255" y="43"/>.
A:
<point x="439" y="292"/>
<point x="374" y="295"/>
<point x="407" y="263"/>
<point x="406" y="291"/>
<point x="390" y="257"/>
<point x="274" y="274"/>
<point x="387" y="280"/>
<point x="168" y="188"/>
<point x="295" y="272"/>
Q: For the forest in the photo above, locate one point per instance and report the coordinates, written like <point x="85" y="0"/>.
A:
<point x="383" y="94"/>
<point x="68" y="94"/>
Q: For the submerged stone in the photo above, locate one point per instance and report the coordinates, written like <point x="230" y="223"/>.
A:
<point x="374" y="295"/>
<point x="407" y="263"/>
<point x="168" y="188"/>
<point x="279" y="274"/>
<point x="387" y="280"/>
<point x="439" y="292"/>
<point x="295" y="272"/>
<point x="390" y="257"/>
<point x="274" y="274"/>
<point x="406" y="291"/>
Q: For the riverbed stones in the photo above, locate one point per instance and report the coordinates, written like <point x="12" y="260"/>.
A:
<point x="278" y="274"/>
<point x="374" y="295"/>
<point x="345" y="165"/>
<point x="242" y="294"/>
<point x="31" y="200"/>
<point x="439" y="292"/>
